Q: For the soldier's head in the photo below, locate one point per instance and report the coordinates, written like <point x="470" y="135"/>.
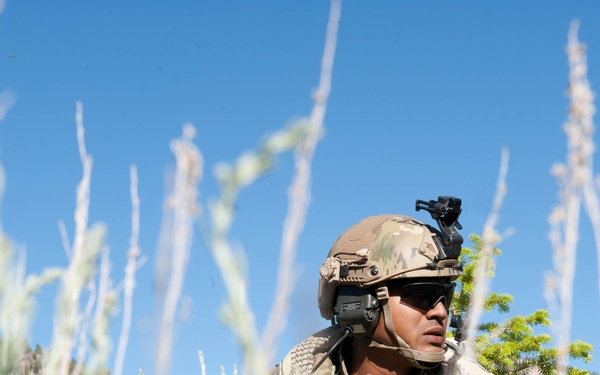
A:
<point x="389" y="279"/>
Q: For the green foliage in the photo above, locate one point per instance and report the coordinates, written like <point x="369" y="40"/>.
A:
<point x="511" y="346"/>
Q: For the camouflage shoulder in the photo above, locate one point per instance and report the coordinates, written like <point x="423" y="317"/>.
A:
<point x="302" y="357"/>
<point x="456" y="362"/>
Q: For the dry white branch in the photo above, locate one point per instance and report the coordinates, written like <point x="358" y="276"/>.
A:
<point x="102" y="343"/>
<point x="575" y="185"/>
<point x="299" y="194"/>
<point x="130" y="270"/>
<point x="301" y="136"/>
<point x="82" y="346"/>
<point x="490" y="238"/>
<point x="86" y="247"/>
<point x="237" y="312"/>
<point x="183" y="207"/>
<point x="16" y="302"/>
<point x="16" y="298"/>
<point x="97" y="297"/>
<point x="202" y="364"/>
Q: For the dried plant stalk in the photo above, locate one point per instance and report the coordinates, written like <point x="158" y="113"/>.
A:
<point x="489" y="240"/>
<point x="232" y="179"/>
<point x="182" y="205"/>
<point x="202" y="364"/>
<point x="575" y="184"/>
<point x="301" y="136"/>
<point x="101" y="341"/>
<point x="17" y="303"/>
<point x="85" y="251"/>
<point x="85" y="327"/>
<point x="130" y="269"/>
<point x="299" y="194"/>
<point x="16" y="292"/>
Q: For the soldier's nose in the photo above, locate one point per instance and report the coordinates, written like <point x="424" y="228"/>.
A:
<point x="438" y="310"/>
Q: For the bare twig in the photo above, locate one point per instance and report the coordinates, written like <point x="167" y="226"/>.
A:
<point x="202" y="364"/>
<point x="16" y="298"/>
<point x="101" y="297"/>
<point x="130" y="269"/>
<point x="183" y="204"/>
<point x="575" y="183"/>
<point x="105" y="307"/>
<point x="17" y="303"/>
<point x="86" y="247"/>
<point x="301" y="136"/>
<point x="490" y="238"/>
<point x="82" y="346"/>
<point x="237" y="312"/>
<point x="299" y="194"/>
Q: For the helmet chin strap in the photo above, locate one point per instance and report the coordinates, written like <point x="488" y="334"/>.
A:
<point x="419" y="359"/>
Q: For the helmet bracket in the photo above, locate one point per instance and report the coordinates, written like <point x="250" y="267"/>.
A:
<point x="445" y="211"/>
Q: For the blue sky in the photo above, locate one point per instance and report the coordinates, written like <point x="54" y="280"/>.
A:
<point x="424" y="97"/>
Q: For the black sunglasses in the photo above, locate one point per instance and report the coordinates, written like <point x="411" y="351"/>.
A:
<point x="426" y="295"/>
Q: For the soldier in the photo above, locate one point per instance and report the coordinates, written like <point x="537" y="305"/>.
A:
<point x="387" y="285"/>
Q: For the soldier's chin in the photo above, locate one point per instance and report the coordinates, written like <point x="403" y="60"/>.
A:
<point x="432" y="347"/>
<point x="433" y="343"/>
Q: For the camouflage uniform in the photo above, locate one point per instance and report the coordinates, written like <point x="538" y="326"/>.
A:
<point x="304" y="356"/>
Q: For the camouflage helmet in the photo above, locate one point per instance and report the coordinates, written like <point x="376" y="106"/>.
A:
<point x="381" y="248"/>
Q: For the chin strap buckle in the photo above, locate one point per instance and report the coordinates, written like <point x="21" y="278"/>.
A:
<point x="382" y="294"/>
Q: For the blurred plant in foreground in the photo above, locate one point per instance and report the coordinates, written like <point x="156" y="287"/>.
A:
<point x="575" y="181"/>
<point x="299" y="192"/>
<point x="133" y="263"/>
<point x="302" y="137"/>
<point x="480" y="285"/>
<point x="506" y="348"/>
<point x="17" y="302"/>
<point x="250" y="166"/>
<point x="82" y="268"/>
<point x="180" y="211"/>
<point x="84" y="332"/>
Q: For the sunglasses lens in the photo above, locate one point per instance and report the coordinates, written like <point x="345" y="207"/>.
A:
<point x="425" y="296"/>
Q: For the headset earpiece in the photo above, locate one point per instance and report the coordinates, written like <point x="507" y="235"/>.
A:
<point x="357" y="309"/>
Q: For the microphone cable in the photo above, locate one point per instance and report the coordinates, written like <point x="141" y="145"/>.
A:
<point x="337" y="343"/>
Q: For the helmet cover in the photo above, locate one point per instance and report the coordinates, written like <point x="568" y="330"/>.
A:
<point x="381" y="248"/>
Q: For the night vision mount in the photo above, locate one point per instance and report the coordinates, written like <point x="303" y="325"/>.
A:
<point x="445" y="211"/>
